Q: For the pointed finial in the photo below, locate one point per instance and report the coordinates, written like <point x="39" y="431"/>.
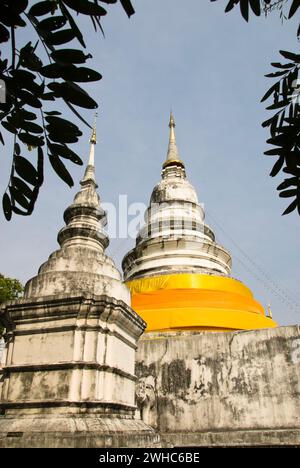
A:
<point x="93" y="139"/>
<point x="270" y="311"/>
<point x="173" y="154"/>
<point x="172" y="120"/>
<point x="90" y="169"/>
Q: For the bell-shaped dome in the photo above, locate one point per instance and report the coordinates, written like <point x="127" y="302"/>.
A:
<point x="179" y="276"/>
<point x="81" y="265"/>
<point x="175" y="237"/>
<point x="173" y="188"/>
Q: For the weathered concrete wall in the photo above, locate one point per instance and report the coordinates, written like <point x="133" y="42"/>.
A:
<point x="220" y="382"/>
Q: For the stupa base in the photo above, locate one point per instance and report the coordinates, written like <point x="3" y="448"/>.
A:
<point x="52" y="431"/>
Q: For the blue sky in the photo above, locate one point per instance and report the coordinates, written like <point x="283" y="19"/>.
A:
<point x="209" y="68"/>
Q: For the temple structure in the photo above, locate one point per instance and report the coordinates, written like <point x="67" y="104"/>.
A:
<point x="78" y="371"/>
<point x="239" y="386"/>
<point x="179" y="276"/>
<point x="68" y="374"/>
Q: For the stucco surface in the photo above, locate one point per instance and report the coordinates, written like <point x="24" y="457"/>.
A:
<point x="227" y="383"/>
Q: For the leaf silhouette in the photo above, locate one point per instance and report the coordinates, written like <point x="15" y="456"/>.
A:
<point x="61" y="170"/>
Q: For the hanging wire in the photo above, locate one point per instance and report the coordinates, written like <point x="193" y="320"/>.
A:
<point x="262" y="277"/>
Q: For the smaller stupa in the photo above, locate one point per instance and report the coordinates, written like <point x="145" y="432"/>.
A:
<point x="69" y="365"/>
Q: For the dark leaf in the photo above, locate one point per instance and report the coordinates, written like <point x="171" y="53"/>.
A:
<point x="65" y="152"/>
<point x="70" y="56"/>
<point x="23" y="75"/>
<point x="244" y="6"/>
<point x="48" y="97"/>
<point x="52" y="23"/>
<point x="255" y="6"/>
<point x="273" y="152"/>
<point x="288" y="182"/>
<point x="52" y="113"/>
<point x="60" y="136"/>
<point x="30" y="140"/>
<point x="290" y="208"/>
<point x="285" y="88"/>
<point x="72" y="93"/>
<point x="42" y="8"/>
<point x="85" y="7"/>
<point x="295" y="171"/>
<point x="290" y="56"/>
<point x="8" y="126"/>
<point x="284" y="65"/>
<point x="28" y="59"/>
<point x="28" y="82"/>
<point x="279" y="104"/>
<point x="17" y="149"/>
<point x="230" y="5"/>
<point x="277" y="166"/>
<point x="17" y="196"/>
<point x="61" y="37"/>
<point x="4" y="33"/>
<point x="78" y="115"/>
<point x="281" y="120"/>
<point x="10" y="14"/>
<point x="15" y="119"/>
<point x="3" y="65"/>
<point x="26" y="115"/>
<point x="72" y="23"/>
<point x="63" y="124"/>
<point x="279" y="140"/>
<point x="126" y="4"/>
<point x="18" y="211"/>
<point x="20" y="185"/>
<point x="29" y="99"/>
<point x="61" y="170"/>
<point x="51" y="71"/>
<point x="40" y="166"/>
<point x="294" y="7"/>
<point x="273" y="127"/>
<point x="19" y="6"/>
<point x="31" y="127"/>
<point x="26" y="170"/>
<point x="6" y="204"/>
<point x="80" y="74"/>
<point x="273" y="88"/>
<point x="288" y="193"/>
<point x="269" y="122"/>
<point x="274" y="75"/>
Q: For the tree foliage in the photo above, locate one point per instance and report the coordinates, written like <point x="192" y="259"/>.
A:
<point x="10" y="289"/>
<point x="284" y="125"/>
<point x="47" y="70"/>
<point x="38" y="74"/>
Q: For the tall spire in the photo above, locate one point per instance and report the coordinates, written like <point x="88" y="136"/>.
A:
<point x="173" y="153"/>
<point x="90" y="169"/>
<point x="80" y="264"/>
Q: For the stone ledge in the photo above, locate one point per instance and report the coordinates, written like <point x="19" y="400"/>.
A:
<point x="97" y="406"/>
<point x="27" y="311"/>
<point x="234" y="438"/>
<point x="66" y="366"/>
<point x="73" y="432"/>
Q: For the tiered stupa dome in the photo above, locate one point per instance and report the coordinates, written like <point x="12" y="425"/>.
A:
<point x="178" y="275"/>
<point x="81" y="265"/>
